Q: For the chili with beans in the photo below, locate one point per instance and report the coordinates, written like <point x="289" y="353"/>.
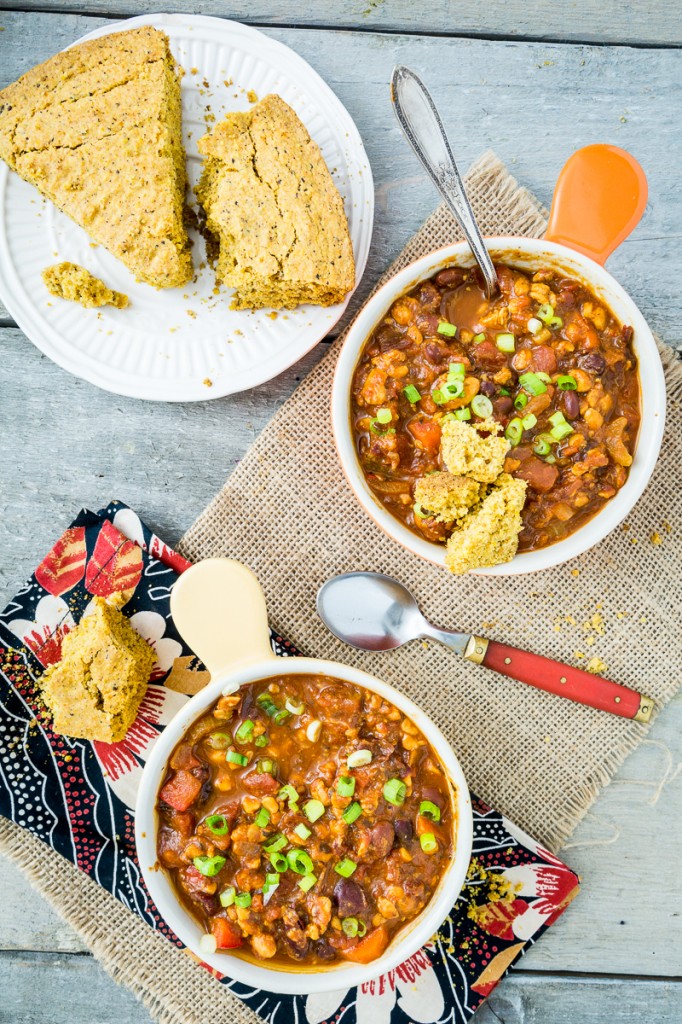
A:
<point x="305" y="818"/>
<point x="545" y="359"/>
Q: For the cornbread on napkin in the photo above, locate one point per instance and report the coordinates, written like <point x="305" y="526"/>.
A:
<point x="271" y="204"/>
<point x="95" y="691"/>
<point x="97" y="129"/>
<point x="75" y="283"/>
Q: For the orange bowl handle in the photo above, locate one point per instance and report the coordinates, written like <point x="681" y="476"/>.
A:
<point x="599" y="199"/>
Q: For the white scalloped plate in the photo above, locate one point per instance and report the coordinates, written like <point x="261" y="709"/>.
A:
<point x="183" y="344"/>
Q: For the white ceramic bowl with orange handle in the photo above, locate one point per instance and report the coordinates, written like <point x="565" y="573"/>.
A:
<point x="600" y="197"/>
<point x="219" y="609"/>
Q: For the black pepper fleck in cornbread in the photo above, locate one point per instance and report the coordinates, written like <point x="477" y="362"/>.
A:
<point x="75" y="283"/>
<point x="97" y="129"/>
<point x="272" y="205"/>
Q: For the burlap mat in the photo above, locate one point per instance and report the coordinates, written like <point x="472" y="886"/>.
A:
<point x="288" y="513"/>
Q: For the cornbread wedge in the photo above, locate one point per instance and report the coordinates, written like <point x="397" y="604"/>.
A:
<point x="97" y="130"/>
<point x="94" y="692"/>
<point x="489" y="535"/>
<point x="274" y="210"/>
<point x="75" y="283"/>
<point x="446" y="497"/>
<point x="466" y="453"/>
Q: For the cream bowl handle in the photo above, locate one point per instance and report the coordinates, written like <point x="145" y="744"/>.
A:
<point x="218" y="608"/>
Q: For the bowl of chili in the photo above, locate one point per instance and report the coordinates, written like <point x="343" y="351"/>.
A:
<point x="301" y="826"/>
<point x="563" y="360"/>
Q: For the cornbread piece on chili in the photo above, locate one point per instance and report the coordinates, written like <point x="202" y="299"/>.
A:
<point x="97" y="129"/>
<point x="272" y="205"/>
<point x="94" y="692"/>
<point x="489" y="535"/>
<point x="73" y="282"/>
<point x="466" y="453"/>
<point x="446" y="497"/>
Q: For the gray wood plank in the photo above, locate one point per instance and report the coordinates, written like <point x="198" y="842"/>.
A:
<point x="600" y="21"/>
<point x="41" y="988"/>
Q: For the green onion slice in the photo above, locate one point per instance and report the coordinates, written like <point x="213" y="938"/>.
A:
<point x="544" y="376"/>
<point x="313" y="810"/>
<point x="555" y="321"/>
<point x="300" y="862"/>
<point x="419" y="511"/>
<point x="546" y="312"/>
<point x="227" y="896"/>
<point x="394" y="791"/>
<point x="302" y="831"/>
<point x="267" y="765"/>
<point x="275" y="843"/>
<point x="566" y="383"/>
<point x="262" y="740"/>
<point x="278" y="861"/>
<point x="531" y="382"/>
<point x="262" y="818"/>
<point x="244" y="732"/>
<point x="375" y="429"/>
<point x="456" y="370"/>
<point x="439" y="397"/>
<point x="534" y="325"/>
<point x="352" y="812"/>
<point x="234" y="758"/>
<point x="551" y="459"/>
<point x="428" y="843"/>
<point x="429" y="810"/>
<point x="462" y="414"/>
<point x="345" y="786"/>
<point x="307" y="882"/>
<point x="514" y="431"/>
<point x="561" y="431"/>
<point x="521" y="401"/>
<point x="242" y="899"/>
<point x="345" y="867"/>
<point x="481" y="406"/>
<point x="506" y="342"/>
<point x="384" y="416"/>
<point x="264" y="700"/>
<point x="446" y="329"/>
<point x="280" y="717"/>
<point x="219" y="740"/>
<point x="209" y="866"/>
<point x="505" y="391"/>
<point x="295" y="707"/>
<point x="479" y="337"/>
<point x="217" y="824"/>
<point x="350" y="926"/>
<point x="541" y="446"/>
<point x="411" y="393"/>
<point x="529" y="421"/>
<point x="289" y="793"/>
<point x="359" y="758"/>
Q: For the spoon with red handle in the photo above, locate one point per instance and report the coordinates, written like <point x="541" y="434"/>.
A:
<point x="374" y="612"/>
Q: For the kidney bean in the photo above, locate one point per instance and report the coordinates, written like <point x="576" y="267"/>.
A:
<point x="571" y="404"/>
<point x="404" y="830"/>
<point x="350" y="898"/>
<point x="428" y="323"/>
<point x="429" y="296"/>
<point x="450" y="277"/>
<point x="593" y="362"/>
<point x="488" y="388"/>
<point x="435" y="353"/>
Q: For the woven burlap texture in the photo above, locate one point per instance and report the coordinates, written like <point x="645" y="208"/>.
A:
<point x="287" y="512"/>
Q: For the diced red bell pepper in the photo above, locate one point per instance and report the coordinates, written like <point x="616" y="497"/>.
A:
<point x="181" y="790"/>
<point x="427" y="432"/>
<point x="227" y="935"/>
<point x="260" y="783"/>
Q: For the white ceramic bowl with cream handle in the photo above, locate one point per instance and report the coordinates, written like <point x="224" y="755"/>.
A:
<point x="219" y="609"/>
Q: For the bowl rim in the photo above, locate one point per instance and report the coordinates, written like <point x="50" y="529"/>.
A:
<point x="652" y="398"/>
<point x="299" y="982"/>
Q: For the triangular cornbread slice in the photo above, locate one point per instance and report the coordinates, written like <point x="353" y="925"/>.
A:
<point x="272" y="205"/>
<point x="97" y="129"/>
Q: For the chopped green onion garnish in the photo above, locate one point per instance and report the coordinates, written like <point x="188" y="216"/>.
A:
<point x="529" y="421"/>
<point x="375" y="429"/>
<point x="313" y="809"/>
<point x="514" y="431"/>
<point x="438" y="397"/>
<point x="217" y="824"/>
<point x="555" y="321"/>
<point x="544" y="376"/>
<point x="219" y="740"/>
<point x="556" y="418"/>
<point x="479" y="337"/>
<point x="350" y="926"/>
<point x="541" y="446"/>
<point x="209" y="866"/>
<point x="345" y="786"/>
<point x="302" y="831"/>
<point x="307" y="882"/>
<point x="273" y="879"/>
<point x="561" y="431"/>
<point x="456" y="370"/>
<point x="419" y="511"/>
<point x="462" y="414"/>
<point x="505" y="391"/>
<point x="294" y="707"/>
<point x="566" y="383"/>
<point x="234" y="758"/>
<point x="278" y="861"/>
<point x="242" y="899"/>
<point x="546" y="312"/>
<point x="429" y="810"/>
<point x="345" y="867"/>
<point x="280" y="717"/>
<point x="266" y="765"/>
<point x="428" y="843"/>
<point x="481" y="406"/>
<point x="551" y="459"/>
<point x="244" y="732"/>
<point x="275" y="843"/>
<point x="359" y="758"/>
<point x="446" y="329"/>
<point x="300" y="862"/>
<point x="362" y="929"/>
<point x="534" y="325"/>
<point x="288" y="793"/>
<point x="531" y="383"/>
<point x="521" y="401"/>
<point x="262" y="740"/>
<point x="453" y="388"/>
<point x="352" y="812"/>
<point x="262" y="818"/>
<point x="411" y="393"/>
<point x="394" y="791"/>
<point x="506" y="342"/>
<point x="384" y="416"/>
<point x="264" y="699"/>
<point x="227" y="896"/>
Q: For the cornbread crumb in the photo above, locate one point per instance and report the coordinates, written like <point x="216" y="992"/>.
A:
<point x="252" y="96"/>
<point x="446" y="497"/>
<point x="75" y="283"/>
<point x="656" y="538"/>
<point x="208" y="382"/>
<point x="489" y="535"/>
<point x="596" y="666"/>
<point x="272" y="205"/>
<point x="95" y="691"/>
<point x="466" y="453"/>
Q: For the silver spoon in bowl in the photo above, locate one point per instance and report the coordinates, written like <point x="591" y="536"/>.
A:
<point x="423" y="128"/>
<point x="373" y="612"/>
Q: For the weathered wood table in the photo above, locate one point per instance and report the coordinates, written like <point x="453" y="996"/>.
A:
<point x="534" y="81"/>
